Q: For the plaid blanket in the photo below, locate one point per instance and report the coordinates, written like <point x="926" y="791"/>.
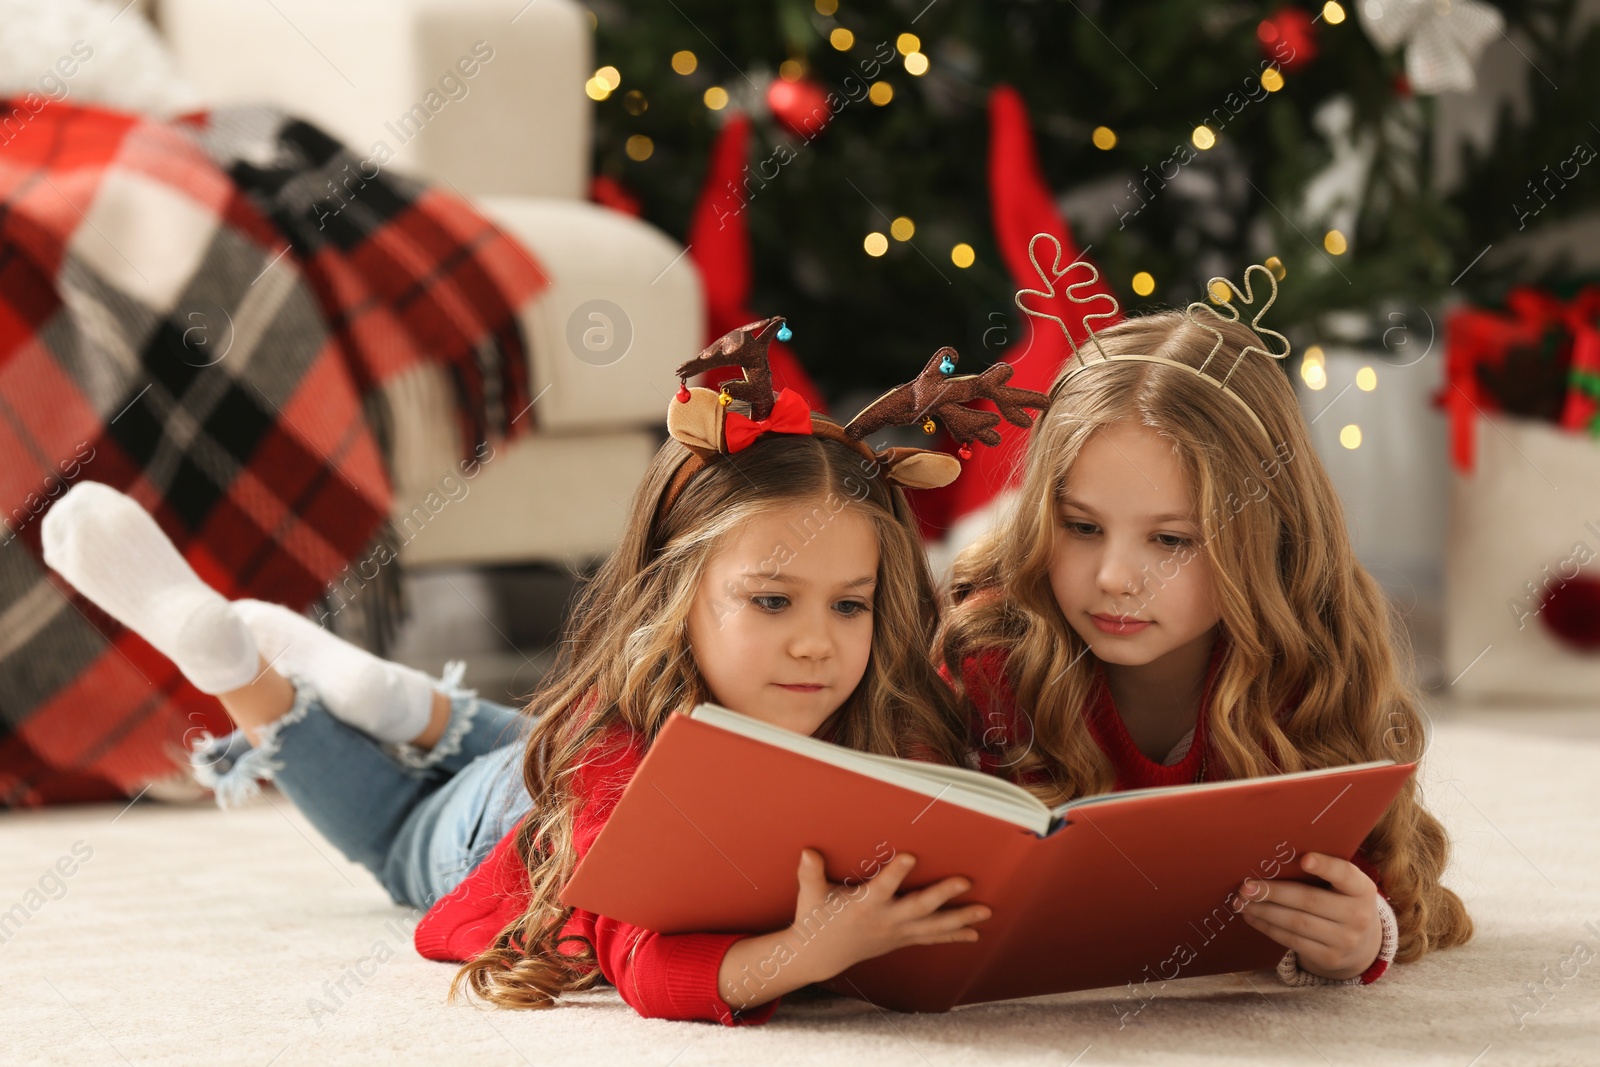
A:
<point x="205" y="314"/>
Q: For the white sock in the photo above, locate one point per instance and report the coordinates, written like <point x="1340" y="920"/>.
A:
<point x="389" y="701"/>
<point x="113" y="552"/>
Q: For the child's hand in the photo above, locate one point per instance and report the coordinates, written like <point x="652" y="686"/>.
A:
<point x="1334" y="932"/>
<point x="838" y="926"/>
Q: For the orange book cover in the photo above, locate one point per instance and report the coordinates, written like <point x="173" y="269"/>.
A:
<point x="1122" y="888"/>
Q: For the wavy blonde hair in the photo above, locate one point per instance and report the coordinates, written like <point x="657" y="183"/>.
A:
<point x="1308" y="630"/>
<point x="625" y="660"/>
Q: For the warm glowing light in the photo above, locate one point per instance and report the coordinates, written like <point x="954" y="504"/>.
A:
<point x="1203" y="138"/>
<point x="917" y="63"/>
<point x="1350" y="436"/>
<point x="1366" y="379"/>
<point x="880" y="93"/>
<point x="1104" y="138"/>
<point x="684" y="62"/>
<point x="1144" y="283"/>
<point x="1334" y="242"/>
<point x="876" y="244"/>
<point x="963" y="256"/>
<point x="841" y="38"/>
<point x="902" y="228"/>
<point x="716" y="98"/>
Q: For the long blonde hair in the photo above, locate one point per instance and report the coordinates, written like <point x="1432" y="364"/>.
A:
<point x="625" y="661"/>
<point x="1310" y="674"/>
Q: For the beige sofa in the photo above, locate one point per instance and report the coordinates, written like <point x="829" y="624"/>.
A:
<point x="625" y="303"/>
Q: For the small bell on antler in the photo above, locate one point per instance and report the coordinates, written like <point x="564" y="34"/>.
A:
<point x="745" y="348"/>
<point x="933" y="394"/>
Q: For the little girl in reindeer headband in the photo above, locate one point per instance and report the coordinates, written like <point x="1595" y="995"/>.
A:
<point x="1177" y="559"/>
<point x="705" y="421"/>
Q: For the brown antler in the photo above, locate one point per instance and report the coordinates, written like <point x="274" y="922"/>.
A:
<point x="745" y="348"/>
<point x="934" y="393"/>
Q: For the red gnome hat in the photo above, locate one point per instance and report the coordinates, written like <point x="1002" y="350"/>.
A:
<point x="719" y="244"/>
<point x="1022" y="206"/>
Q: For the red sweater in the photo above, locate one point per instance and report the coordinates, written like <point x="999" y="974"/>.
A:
<point x="661" y="976"/>
<point x="1000" y="727"/>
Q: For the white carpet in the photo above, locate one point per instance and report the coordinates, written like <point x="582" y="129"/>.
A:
<point x="196" y="936"/>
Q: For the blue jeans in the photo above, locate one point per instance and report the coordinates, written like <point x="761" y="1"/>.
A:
<point x="419" y="821"/>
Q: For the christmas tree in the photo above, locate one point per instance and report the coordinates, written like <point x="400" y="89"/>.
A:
<point x="1182" y="139"/>
<point x="1536" y="170"/>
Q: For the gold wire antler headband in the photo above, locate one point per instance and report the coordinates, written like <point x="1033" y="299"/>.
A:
<point x="1222" y="292"/>
<point x="701" y="420"/>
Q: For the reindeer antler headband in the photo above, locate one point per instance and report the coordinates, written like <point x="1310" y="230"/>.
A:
<point x="700" y="419"/>
<point x="1222" y="293"/>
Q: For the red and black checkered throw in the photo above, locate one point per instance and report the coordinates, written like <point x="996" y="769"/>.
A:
<point x="204" y="314"/>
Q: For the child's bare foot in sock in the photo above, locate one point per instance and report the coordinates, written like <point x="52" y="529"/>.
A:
<point x="271" y="695"/>
<point x="389" y="701"/>
<point x="113" y="552"/>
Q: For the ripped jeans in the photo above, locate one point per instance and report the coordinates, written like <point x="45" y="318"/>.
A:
<point x="420" y="821"/>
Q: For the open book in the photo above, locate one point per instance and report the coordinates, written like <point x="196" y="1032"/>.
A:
<point x="1130" y="887"/>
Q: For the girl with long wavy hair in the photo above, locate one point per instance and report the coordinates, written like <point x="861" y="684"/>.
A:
<point x="770" y="563"/>
<point x="785" y="584"/>
<point x="1173" y="598"/>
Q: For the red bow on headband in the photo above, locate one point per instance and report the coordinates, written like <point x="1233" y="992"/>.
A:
<point x="790" y="414"/>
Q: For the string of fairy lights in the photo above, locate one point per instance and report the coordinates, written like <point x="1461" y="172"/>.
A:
<point x="607" y="81"/>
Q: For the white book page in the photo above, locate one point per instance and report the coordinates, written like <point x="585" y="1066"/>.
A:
<point x="1130" y="794"/>
<point x="960" y="786"/>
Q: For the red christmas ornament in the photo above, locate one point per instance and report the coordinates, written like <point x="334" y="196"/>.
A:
<point x="683" y="392"/>
<point x="965" y="451"/>
<point x="801" y="107"/>
<point x="1287" y="38"/>
<point x="1571" y="612"/>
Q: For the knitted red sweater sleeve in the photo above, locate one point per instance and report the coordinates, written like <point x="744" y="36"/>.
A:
<point x="464" y="922"/>
<point x="660" y="976"/>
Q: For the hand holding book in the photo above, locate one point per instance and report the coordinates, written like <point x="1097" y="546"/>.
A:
<point x="862" y="921"/>
<point x="1335" y="931"/>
